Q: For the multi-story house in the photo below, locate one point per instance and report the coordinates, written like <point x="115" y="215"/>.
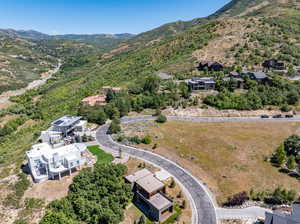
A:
<point x="46" y="162"/>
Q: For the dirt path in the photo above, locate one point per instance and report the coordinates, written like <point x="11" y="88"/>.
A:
<point x="4" y="97"/>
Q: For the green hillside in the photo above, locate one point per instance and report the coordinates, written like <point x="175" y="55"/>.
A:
<point x="23" y="60"/>
<point x="173" y="48"/>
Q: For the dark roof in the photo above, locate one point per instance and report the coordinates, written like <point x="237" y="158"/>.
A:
<point x="209" y="63"/>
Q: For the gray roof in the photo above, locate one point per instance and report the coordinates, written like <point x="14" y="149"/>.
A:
<point x="138" y="175"/>
<point x="259" y="75"/>
<point x="234" y="73"/>
<point x="159" y="201"/>
<point x="150" y="184"/>
<point x="163" y="75"/>
<point x="282" y="218"/>
<point x="202" y="79"/>
<point x="66" y="120"/>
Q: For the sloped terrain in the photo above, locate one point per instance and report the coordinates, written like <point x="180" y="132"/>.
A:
<point x="23" y="60"/>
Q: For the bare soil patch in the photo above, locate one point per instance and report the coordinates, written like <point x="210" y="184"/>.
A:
<point x="52" y="189"/>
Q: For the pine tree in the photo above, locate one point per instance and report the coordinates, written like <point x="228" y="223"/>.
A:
<point x="279" y="156"/>
<point x="291" y="163"/>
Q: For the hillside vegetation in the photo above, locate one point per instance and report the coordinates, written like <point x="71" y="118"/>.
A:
<point x="24" y="60"/>
<point x="173" y="48"/>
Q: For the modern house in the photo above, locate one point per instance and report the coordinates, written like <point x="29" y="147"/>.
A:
<point x="46" y="162"/>
<point x="92" y="101"/>
<point x="149" y="195"/>
<point x="68" y="124"/>
<point x="52" y="137"/>
<point x="210" y="66"/>
<point x="205" y="83"/>
<point x="273" y="64"/>
<point x="236" y="77"/>
<point x="283" y="218"/>
<point x="260" y="77"/>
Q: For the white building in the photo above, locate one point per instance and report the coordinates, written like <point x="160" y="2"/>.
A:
<point x="46" y="162"/>
<point x="66" y="126"/>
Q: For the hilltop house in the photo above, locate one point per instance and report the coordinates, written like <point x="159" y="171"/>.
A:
<point x="236" y="77"/>
<point x="283" y="218"/>
<point x="68" y="124"/>
<point x="260" y="77"/>
<point x="62" y="128"/>
<point x="273" y="64"/>
<point x="98" y="100"/>
<point x="210" y="66"/>
<point x="205" y="83"/>
<point x="46" y="162"/>
<point x="149" y="195"/>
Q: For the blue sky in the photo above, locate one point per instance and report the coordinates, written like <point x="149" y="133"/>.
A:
<point x="100" y="16"/>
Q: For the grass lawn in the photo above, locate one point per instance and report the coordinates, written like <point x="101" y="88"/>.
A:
<point x="102" y="157"/>
<point x="228" y="157"/>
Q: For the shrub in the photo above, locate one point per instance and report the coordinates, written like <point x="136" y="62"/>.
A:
<point x="279" y="157"/>
<point x="114" y="127"/>
<point x="135" y="139"/>
<point x="237" y="199"/>
<point x="161" y="119"/>
<point x="147" y="140"/>
<point x="292" y="145"/>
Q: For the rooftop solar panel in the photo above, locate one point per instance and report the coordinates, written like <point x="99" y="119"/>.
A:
<point x="58" y="122"/>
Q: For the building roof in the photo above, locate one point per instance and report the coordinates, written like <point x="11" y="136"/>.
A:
<point x="93" y="100"/>
<point x="159" y="201"/>
<point x="259" y="75"/>
<point x="234" y="73"/>
<point x="138" y="175"/>
<point x="150" y="184"/>
<point x="47" y="151"/>
<point x="66" y="120"/>
<point x="163" y="75"/>
<point x="209" y="63"/>
<point x="112" y="88"/>
<point x="202" y="79"/>
<point x="162" y="175"/>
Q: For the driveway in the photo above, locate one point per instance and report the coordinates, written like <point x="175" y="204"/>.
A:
<point x="204" y="207"/>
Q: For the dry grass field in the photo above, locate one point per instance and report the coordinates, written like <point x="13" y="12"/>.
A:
<point x="228" y="157"/>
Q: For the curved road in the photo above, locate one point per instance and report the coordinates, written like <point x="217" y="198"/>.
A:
<point x="205" y="210"/>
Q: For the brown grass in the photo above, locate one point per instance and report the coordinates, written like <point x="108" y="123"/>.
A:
<point x="228" y="157"/>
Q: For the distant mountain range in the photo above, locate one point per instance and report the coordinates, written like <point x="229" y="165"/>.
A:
<point x="103" y="41"/>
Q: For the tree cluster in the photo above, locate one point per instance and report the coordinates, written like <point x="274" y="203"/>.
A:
<point x="95" y="197"/>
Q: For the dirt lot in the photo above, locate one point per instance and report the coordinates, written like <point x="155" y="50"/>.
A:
<point x="228" y="157"/>
<point x="52" y="189"/>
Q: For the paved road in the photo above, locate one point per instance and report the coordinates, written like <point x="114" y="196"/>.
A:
<point x="201" y="200"/>
<point x="205" y="210"/>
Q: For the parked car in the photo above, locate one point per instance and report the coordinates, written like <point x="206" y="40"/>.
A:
<point x="264" y="116"/>
<point x="277" y="116"/>
<point x="289" y="116"/>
